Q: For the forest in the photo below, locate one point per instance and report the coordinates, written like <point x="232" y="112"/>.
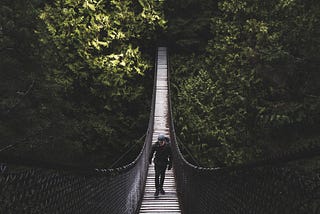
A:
<point x="77" y="77"/>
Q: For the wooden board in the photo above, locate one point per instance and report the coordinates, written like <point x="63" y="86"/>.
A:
<point x="167" y="203"/>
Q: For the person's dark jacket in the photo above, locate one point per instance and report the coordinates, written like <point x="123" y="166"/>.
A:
<point x="163" y="156"/>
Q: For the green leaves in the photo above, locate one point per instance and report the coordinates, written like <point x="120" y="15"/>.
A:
<point x="249" y="89"/>
<point x="88" y="5"/>
<point x="84" y="64"/>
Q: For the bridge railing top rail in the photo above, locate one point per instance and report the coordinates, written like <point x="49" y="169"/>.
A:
<point x="33" y="186"/>
<point x="304" y="152"/>
<point x="84" y="170"/>
<point x="276" y="184"/>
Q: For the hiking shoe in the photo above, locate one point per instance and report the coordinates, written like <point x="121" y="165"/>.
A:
<point x="156" y="194"/>
<point x="162" y="191"/>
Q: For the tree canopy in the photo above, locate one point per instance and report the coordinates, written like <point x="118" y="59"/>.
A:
<point x="257" y="80"/>
<point x="77" y="77"/>
<point x="76" y="81"/>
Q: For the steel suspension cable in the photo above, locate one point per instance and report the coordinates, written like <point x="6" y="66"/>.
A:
<point x="127" y="152"/>
<point x="36" y="186"/>
<point x="188" y="151"/>
<point x="279" y="185"/>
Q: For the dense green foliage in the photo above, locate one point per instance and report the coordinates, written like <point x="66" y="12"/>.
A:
<point x="188" y="29"/>
<point x="77" y="86"/>
<point x="257" y="81"/>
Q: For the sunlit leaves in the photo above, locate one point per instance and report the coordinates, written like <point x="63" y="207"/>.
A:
<point x="99" y="36"/>
<point x="93" y="49"/>
<point x="256" y="74"/>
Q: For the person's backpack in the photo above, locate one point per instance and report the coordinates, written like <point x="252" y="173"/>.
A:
<point x="167" y="139"/>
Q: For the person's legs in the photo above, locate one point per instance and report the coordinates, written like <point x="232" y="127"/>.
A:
<point x="162" y="177"/>
<point x="156" y="180"/>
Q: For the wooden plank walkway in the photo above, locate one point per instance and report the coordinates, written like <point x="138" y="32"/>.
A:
<point x="167" y="203"/>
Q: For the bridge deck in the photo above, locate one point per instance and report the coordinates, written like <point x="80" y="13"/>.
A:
<point x="167" y="203"/>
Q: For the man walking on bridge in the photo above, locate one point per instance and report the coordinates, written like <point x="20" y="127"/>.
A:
<point x="161" y="161"/>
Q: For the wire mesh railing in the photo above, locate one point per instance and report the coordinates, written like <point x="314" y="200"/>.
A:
<point x="28" y="186"/>
<point x="283" y="184"/>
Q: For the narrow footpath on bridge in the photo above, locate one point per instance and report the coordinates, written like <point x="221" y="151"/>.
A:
<point x="167" y="203"/>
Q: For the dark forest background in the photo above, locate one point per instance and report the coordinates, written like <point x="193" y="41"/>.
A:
<point x="76" y="77"/>
<point x="245" y="77"/>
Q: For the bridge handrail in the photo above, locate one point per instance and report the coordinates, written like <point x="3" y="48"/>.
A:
<point x="46" y="187"/>
<point x="270" y="185"/>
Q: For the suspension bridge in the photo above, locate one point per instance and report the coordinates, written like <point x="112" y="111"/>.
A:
<point x="281" y="184"/>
